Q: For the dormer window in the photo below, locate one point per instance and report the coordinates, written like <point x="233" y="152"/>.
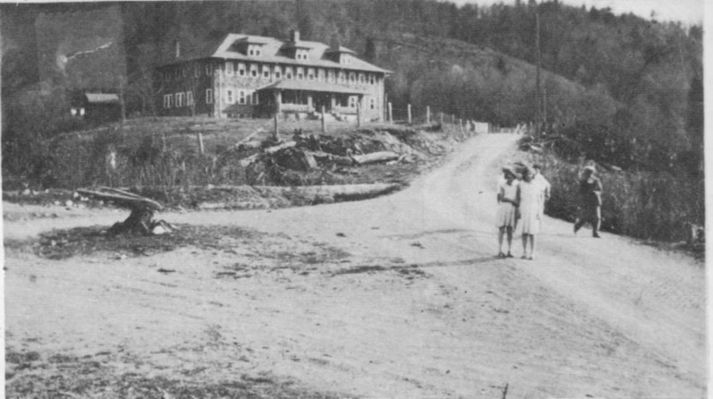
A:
<point x="301" y="54"/>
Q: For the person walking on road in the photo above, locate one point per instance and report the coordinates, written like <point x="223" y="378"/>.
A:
<point x="506" y="216"/>
<point x="529" y="198"/>
<point x="543" y="186"/>
<point x="590" y="191"/>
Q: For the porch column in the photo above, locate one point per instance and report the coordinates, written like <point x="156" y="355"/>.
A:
<point x="310" y="102"/>
<point x="332" y="102"/>
<point x="278" y="101"/>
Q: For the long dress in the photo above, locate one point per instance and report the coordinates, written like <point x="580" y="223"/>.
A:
<point x="506" y="215"/>
<point x="530" y="208"/>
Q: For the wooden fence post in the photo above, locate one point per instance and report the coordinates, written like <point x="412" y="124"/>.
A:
<point x="408" y="109"/>
<point x="324" y="122"/>
<point x="201" y="149"/>
<point x="358" y="114"/>
<point x="274" y="132"/>
<point x="391" y="113"/>
<point x="428" y="115"/>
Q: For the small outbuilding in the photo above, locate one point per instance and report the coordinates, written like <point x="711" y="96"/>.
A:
<point x="96" y="107"/>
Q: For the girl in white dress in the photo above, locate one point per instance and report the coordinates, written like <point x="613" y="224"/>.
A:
<point x="506" y="216"/>
<point x="529" y="198"/>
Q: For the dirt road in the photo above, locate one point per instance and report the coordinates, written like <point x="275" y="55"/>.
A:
<point x="397" y="297"/>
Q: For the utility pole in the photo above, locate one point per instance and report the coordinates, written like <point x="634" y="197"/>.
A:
<point x="538" y="105"/>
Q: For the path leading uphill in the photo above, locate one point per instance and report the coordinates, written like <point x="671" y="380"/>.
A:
<point x="396" y="297"/>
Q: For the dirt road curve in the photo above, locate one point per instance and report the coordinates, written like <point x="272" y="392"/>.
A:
<point x="397" y="297"/>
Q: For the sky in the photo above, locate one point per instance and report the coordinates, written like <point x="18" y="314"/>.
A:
<point x="687" y="11"/>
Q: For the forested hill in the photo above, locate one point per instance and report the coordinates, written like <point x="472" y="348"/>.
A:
<point x="636" y="79"/>
<point x="642" y="78"/>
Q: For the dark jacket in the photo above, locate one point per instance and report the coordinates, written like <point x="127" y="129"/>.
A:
<point x="590" y="190"/>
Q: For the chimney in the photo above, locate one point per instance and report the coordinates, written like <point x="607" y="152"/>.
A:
<point x="178" y="49"/>
<point x="334" y="43"/>
<point x="295" y="35"/>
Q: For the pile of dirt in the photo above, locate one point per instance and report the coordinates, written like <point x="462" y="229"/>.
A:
<point x="63" y="244"/>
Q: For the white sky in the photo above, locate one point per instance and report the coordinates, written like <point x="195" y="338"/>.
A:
<point x="686" y="11"/>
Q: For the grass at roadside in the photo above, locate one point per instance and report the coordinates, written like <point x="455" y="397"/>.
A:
<point x="646" y="205"/>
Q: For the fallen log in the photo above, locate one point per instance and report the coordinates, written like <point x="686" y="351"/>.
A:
<point x="375" y="157"/>
<point x="140" y="220"/>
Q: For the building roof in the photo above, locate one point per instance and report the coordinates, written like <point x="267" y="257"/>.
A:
<point x="102" y="97"/>
<point x="273" y="52"/>
<point x="310" y="85"/>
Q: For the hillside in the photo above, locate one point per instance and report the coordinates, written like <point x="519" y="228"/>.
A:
<point x="635" y="79"/>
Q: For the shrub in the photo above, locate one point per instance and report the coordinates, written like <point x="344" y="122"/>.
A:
<point x="649" y="205"/>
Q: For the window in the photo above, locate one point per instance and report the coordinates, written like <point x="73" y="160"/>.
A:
<point x="209" y="96"/>
<point x="241" y="69"/>
<point x="310" y="73"/>
<point x="372" y="78"/>
<point x="229" y="96"/>
<point x="189" y="98"/>
<point x="342" y="77"/>
<point x="300" y="73"/>
<point x="362" y="79"/>
<point x="241" y="97"/>
<point x="276" y="73"/>
<point x="208" y="70"/>
<point x="288" y="73"/>
<point x="255" y="98"/>
<point x="250" y="51"/>
<point x="330" y="76"/>
<point x="372" y="103"/>
<point x="266" y="72"/>
<point x="196" y="71"/>
<point x="179" y="100"/>
<point x="352" y="77"/>
<point x="229" y="68"/>
<point x="352" y="101"/>
<point x="167" y="101"/>
<point x="320" y="75"/>
<point x="253" y="70"/>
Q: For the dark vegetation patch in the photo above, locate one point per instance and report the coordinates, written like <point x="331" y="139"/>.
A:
<point x="68" y="376"/>
<point x="63" y="244"/>
<point x="408" y="272"/>
<point x="651" y="205"/>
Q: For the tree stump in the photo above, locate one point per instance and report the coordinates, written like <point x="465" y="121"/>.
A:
<point x="140" y="221"/>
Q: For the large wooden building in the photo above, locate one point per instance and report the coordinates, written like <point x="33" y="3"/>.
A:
<point x="256" y="76"/>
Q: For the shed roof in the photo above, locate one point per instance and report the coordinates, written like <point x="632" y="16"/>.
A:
<point x="101" y="98"/>
<point x="310" y="85"/>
